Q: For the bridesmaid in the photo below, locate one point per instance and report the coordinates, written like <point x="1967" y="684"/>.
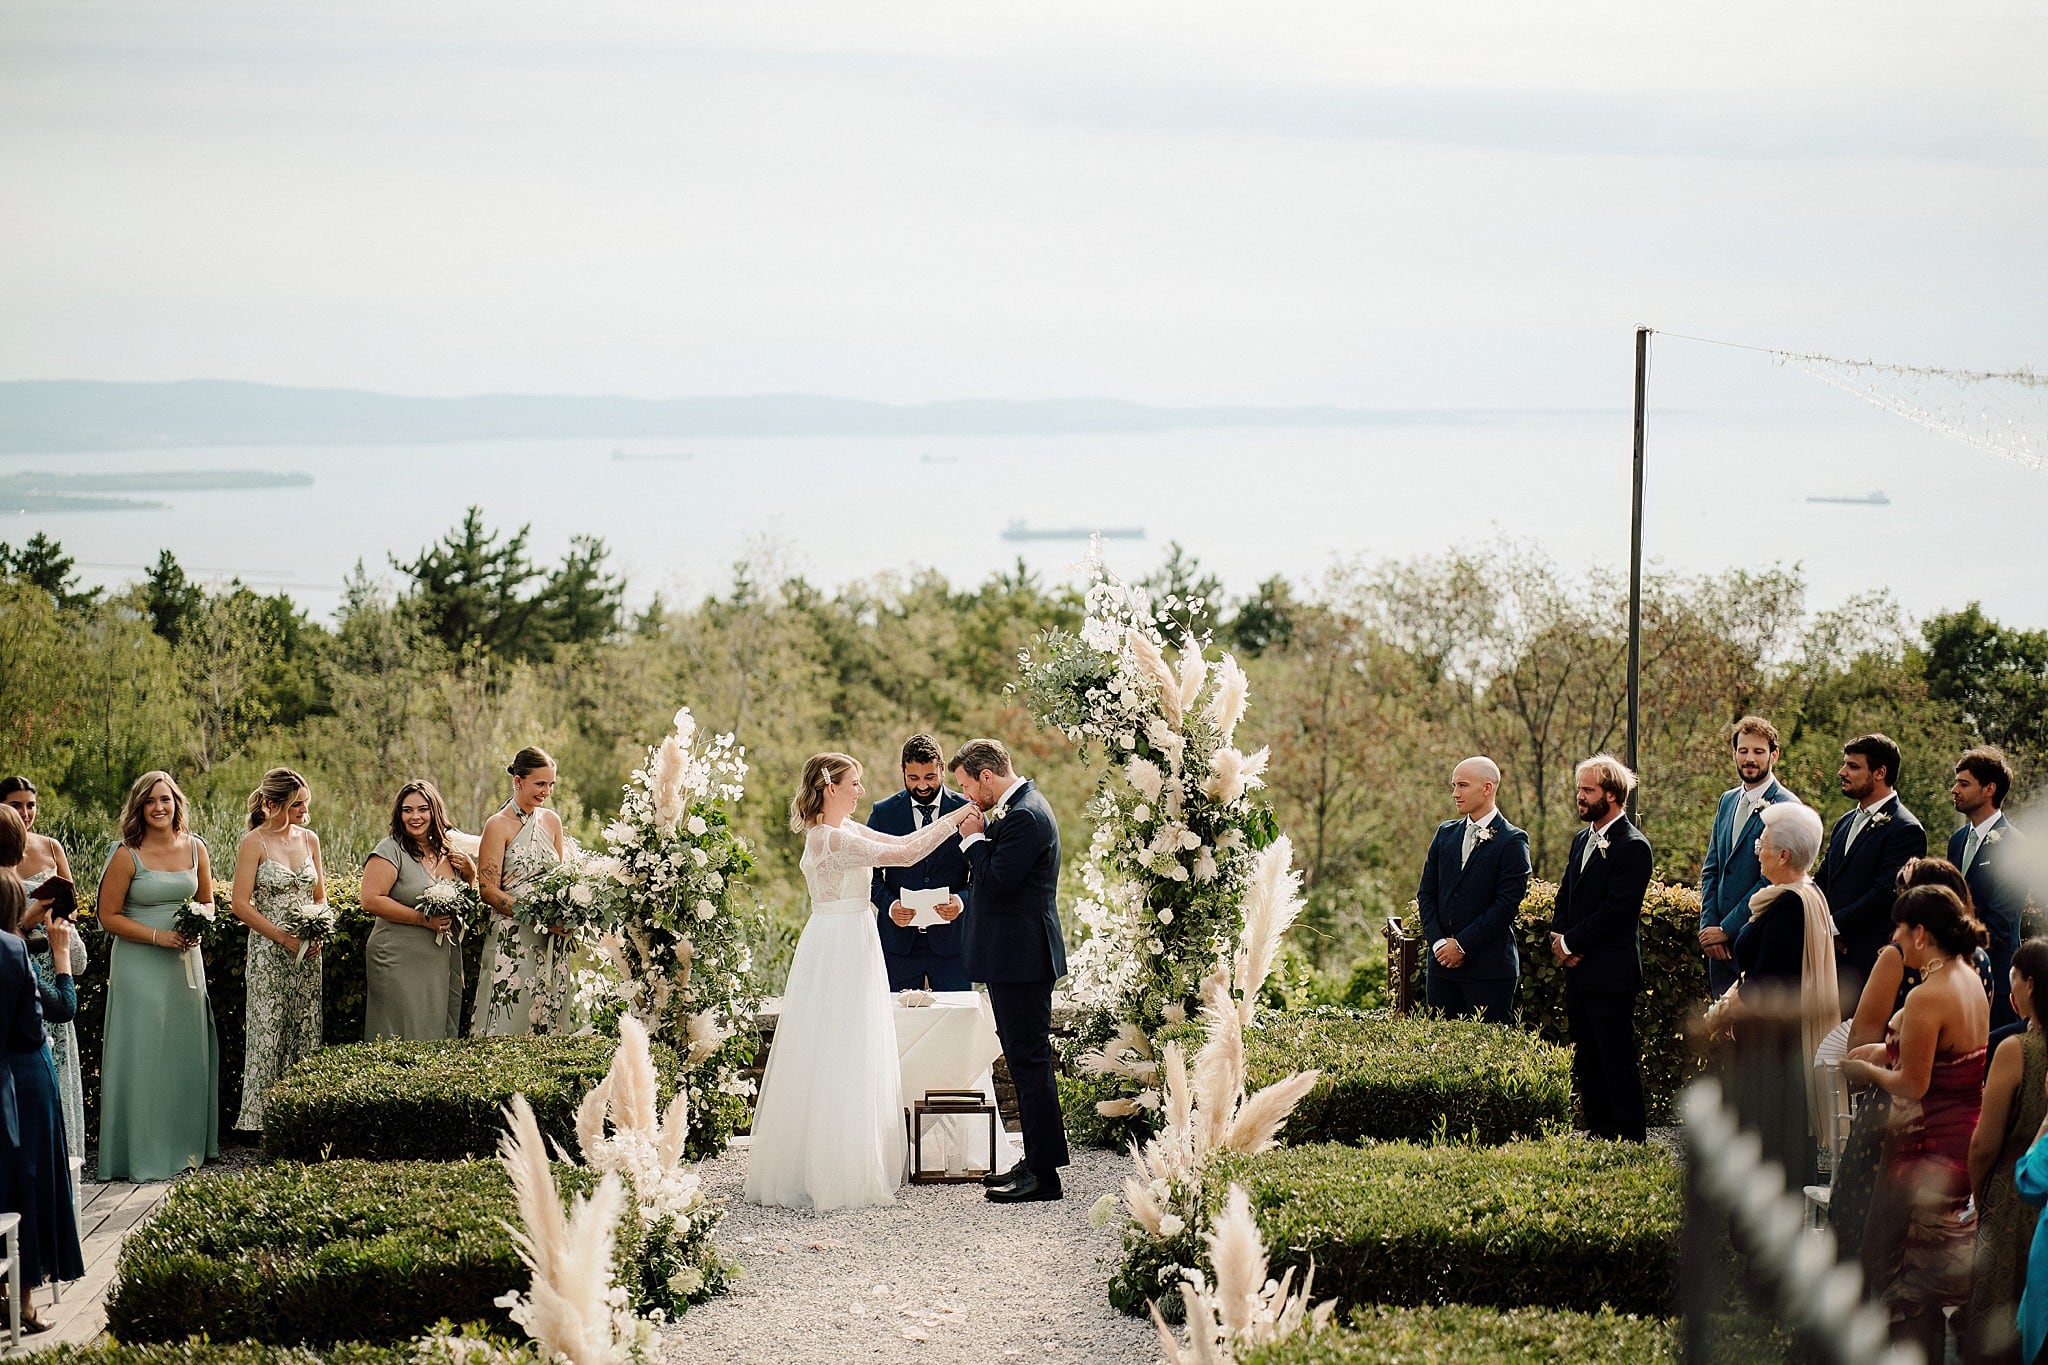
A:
<point x="522" y="989"/>
<point x="277" y="869"/>
<point x="35" y="1172"/>
<point x="415" y="980"/>
<point x="43" y="859"/>
<point x="160" y="1060"/>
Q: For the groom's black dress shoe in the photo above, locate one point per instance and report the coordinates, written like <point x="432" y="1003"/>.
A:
<point x="995" y="1178"/>
<point x="1027" y="1188"/>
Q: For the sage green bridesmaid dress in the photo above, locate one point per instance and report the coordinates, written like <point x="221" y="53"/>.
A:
<point x="160" y="1061"/>
<point x="415" y="981"/>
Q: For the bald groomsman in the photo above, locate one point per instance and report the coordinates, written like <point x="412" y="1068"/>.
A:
<point x="1472" y="885"/>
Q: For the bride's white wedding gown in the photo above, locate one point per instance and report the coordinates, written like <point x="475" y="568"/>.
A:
<point x="828" y="1130"/>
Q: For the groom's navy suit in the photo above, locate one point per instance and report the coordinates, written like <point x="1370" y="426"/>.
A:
<point x="1858" y="880"/>
<point x="1998" y="896"/>
<point x="1014" y="946"/>
<point x="1474" y="901"/>
<point x="915" y="955"/>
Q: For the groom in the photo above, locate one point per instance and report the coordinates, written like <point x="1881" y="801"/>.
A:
<point x="1012" y="844"/>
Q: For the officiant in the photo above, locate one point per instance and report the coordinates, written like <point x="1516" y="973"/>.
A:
<point x="921" y="958"/>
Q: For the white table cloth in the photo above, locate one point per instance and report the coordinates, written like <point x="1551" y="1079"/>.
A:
<point x="951" y="1044"/>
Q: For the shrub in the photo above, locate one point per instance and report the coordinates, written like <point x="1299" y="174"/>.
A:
<point x="232" y="1353"/>
<point x="1415" y="1078"/>
<point x="1459" y="1334"/>
<point x="1674" y="977"/>
<point x="442" y="1101"/>
<point x="1557" y="1223"/>
<point x="336" y="1251"/>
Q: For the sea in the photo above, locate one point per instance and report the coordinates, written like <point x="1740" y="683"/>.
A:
<point x="1958" y="524"/>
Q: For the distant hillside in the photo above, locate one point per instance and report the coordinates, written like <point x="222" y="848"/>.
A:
<point x="72" y="415"/>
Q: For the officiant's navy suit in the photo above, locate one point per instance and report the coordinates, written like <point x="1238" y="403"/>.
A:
<point x="1732" y="874"/>
<point x="1858" y="881"/>
<point x="1474" y="901"/>
<point x="1014" y="946"/>
<point x="914" y="956"/>
<point x="1999" y="895"/>
<point x="1599" y="912"/>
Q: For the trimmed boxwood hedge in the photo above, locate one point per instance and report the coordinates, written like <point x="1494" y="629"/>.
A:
<point x="375" y="1251"/>
<point x="1415" y="1078"/>
<point x="228" y="1353"/>
<point x="441" y="1101"/>
<point x="1460" y="1334"/>
<point x="1562" y="1222"/>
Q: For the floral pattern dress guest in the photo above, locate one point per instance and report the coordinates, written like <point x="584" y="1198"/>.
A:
<point x="1916" y="1251"/>
<point x="522" y="989"/>
<point x="277" y="872"/>
<point x="35" y="1167"/>
<point x="2015" y="1104"/>
<point x="159" y="1058"/>
<point x="415" y="975"/>
<point x="42" y="859"/>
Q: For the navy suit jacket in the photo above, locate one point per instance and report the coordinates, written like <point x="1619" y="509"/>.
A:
<point x="944" y="866"/>
<point x="1731" y="873"/>
<point x="1859" y="882"/>
<point x="1475" y="903"/>
<point x="1996" y="890"/>
<point x="1600" y="909"/>
<point x="1013" y="932"/>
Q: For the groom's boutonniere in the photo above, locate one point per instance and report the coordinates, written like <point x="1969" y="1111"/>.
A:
<point x="1883" y="817"/>
<point x="996" y="814"/>
<point x="1482" y="834"/>
<point x="1600" y="843"/>
<point x="1991" y="837"/>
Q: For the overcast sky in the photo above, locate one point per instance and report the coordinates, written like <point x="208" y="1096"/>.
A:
<point x="1429" y="203"/>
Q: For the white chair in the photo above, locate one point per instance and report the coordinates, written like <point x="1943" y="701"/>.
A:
<point x="10" y="1238"/>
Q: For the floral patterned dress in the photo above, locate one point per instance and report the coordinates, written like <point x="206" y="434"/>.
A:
<point x="524" y="986"/>
<point x="283" y="1017"/>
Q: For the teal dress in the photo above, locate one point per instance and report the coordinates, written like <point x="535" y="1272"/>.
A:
<point x="160" y="1060"/>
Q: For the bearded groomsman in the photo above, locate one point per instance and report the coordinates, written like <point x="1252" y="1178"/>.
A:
<point x="1865" y="852"/>
<point x="1731" y="873"/>
<point x="930" y="958"/>
<point x="1985" y="849"/>
<point x="1472" y="885"/>
<point x="1595" y="932"/>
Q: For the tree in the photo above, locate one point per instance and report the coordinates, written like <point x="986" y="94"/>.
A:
<point x="42" y="561"/>
<point x="471" y="589"/>
<point x="1184" y="597"/>
<point x="1996" y="678"/>
<point x="1265" y="620"/>
<point x="171" y="601"/>
<point x="581" y="603"/>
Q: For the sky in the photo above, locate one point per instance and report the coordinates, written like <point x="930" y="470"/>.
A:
<point x="1464" y="204"/>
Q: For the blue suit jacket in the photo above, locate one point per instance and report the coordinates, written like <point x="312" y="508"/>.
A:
<point x="1600" y="909"/>
<point x="1013" y="932"/>
<point x="1858" y="882"/>
<point x="1476" y="903"/>
<point x="944" y="866"/>
<point x="1999" y="894"/>
<point x="1731" y="873"/>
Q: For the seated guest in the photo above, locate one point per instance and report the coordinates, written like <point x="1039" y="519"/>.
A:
<point x="35" y="1165"/>
<point x="1790" y="940"/>
<point x="2015" y="1103"/>
<point x="1884" y="995"/>
<point x="1916" y="1249"/>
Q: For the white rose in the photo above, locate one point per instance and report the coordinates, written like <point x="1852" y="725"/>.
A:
<point x="1127" y="740"/>
<point x="696" y="826"/>
<point x="700" y="857"/>
<point x="1141" y="813"/>
<point x="1166" y="916"/>
<point x="579" y="894"/>
<point x="1190" y="840"/>
<point x="1154" y="946"/>
<point x="705" y="909"/>
<point x="1172" y="1225"/>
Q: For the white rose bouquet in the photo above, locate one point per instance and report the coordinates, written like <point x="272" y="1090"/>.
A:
<point x="310" y="923"/>
<point x="457" y="901"/>
<point x="198" y="921"/>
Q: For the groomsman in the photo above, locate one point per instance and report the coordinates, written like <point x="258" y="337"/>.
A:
<point x="1472" y="885"/>
<point x="930" y="958"/>
<point x="1595" y="933"/>
<point x="1731" y="874"/>
<point x="1865" y="852"/>
<point x="1984" y="848"/>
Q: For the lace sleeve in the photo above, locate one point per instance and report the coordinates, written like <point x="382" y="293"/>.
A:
<point x="849" y="846"/>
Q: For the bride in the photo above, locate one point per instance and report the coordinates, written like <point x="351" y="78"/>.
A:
<point x="828" y="1131"/>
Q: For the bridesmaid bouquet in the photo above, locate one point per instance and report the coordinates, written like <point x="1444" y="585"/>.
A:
<point x="458" y="901"/>
<point x="310" y="924"/>
<point x="196" y="920"/>
<point x="575" y="895"/>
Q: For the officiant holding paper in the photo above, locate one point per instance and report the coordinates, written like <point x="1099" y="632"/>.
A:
<point x="916" y="907"/>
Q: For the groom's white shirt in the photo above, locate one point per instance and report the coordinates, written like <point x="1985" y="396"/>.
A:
<point x="968" y="841"/>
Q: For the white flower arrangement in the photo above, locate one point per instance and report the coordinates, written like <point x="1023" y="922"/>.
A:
<point x="197" y="921"/>
<point x="308" y="922"/>
<point x="1482" y="834"/>
<point x="457" y="901"/>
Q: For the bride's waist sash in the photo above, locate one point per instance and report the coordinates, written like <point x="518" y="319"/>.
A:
<point x="849" y="906"/>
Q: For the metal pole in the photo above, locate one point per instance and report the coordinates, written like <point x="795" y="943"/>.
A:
<point x="1635" y="571"/>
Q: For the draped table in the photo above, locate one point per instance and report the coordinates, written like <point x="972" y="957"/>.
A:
<point x="951" y="1044"/>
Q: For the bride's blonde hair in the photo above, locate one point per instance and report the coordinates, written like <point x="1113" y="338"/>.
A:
<point x="820" y="771"/>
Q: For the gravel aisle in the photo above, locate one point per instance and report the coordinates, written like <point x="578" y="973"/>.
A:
<point x="940" y="1275"/>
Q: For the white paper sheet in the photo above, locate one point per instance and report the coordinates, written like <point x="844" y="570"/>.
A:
<point x="926" y="904"/>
